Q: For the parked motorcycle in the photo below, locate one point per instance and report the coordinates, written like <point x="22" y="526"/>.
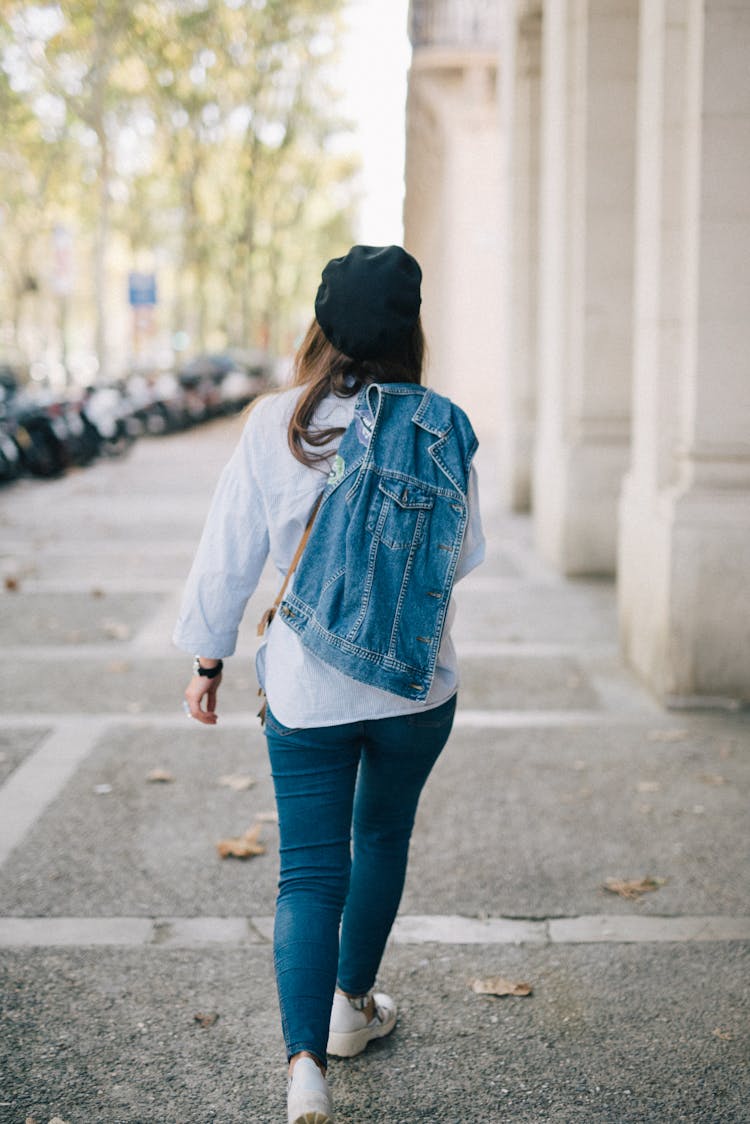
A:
<point x="38" y="437"/>
<point x="110" y="411"/>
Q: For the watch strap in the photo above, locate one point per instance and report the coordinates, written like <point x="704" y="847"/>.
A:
<point x="207" y="672"/>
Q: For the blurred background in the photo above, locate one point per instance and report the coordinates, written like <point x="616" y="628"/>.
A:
<point x="174" y="174"/>
<point x="573" y="175"/>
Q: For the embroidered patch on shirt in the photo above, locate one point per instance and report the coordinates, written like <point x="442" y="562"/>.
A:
<point x="337" y="470"/>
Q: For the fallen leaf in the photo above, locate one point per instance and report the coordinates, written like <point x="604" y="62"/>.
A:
<point x="206" y="1020"/>
<point x="670" y="734"/>
<point x="116" y="630"/>
<point x="12" y="584"/>
<point x="648" y="786"/>
<point x="499" y="986"/>
<point x="581" y="794"/>
<point x="239" y="782"/>
<point x="243" y="846"/>
<point x="724" y="1035"/>
<point x="632" y="887"/>
<point x="117" y="667"/>
<point x="160" y="775"/>
<point x="712" y="778"/>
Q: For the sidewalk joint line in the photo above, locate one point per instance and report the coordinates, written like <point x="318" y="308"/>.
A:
<point x="36" y="782"/>
<point x="198" y="932"/>
<point x="248" y="719"/>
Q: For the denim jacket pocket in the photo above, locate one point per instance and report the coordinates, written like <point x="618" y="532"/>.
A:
<point x="397" y="513"/>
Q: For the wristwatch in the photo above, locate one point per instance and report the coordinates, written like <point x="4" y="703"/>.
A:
<point x="206" y="672"/>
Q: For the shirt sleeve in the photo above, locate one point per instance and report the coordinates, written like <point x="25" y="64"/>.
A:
<point x="230" y="557"/>
<point x="473" y="546"/>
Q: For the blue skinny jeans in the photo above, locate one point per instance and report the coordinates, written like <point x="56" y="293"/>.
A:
<point x="347" y="797"/>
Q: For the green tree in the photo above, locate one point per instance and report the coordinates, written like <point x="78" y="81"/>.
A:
<point x="197" y="129"/>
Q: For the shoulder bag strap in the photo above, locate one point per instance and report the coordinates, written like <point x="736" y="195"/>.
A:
<point x="269" y="614"/>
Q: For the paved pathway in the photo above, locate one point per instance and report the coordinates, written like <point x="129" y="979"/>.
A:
<point x="119" y="924"/>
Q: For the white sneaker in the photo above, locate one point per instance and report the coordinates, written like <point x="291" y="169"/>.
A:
<point x="350" y="1030"/>
<point x="308" y="1099"/>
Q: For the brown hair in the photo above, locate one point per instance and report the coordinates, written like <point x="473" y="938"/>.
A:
<point x="323" y="369"/>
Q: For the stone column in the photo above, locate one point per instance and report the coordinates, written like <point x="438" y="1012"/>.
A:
<point x="520" y="71"/>
<point x="589" y="56"/>
<point x="451" y="223"/>
<point x="684" y="546"/>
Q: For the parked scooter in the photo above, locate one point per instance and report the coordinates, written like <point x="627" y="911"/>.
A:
<point x="11" y="465"/>
<point x="37" y="436"/>
<point x="109" y="410"/>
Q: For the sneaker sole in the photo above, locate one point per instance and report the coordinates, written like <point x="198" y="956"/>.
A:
<point x="348" y="1045"/>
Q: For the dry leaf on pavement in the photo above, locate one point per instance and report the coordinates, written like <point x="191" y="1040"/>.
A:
<point x="116" y="630"/>
<point x="239" y="782"/>
<point x="162" y="776"/>
<point x="632" y="888"/>
<point x="724" y="1035"/>
<point x="668" y="734"/>
<point x="499" y="986"/>
<point x="118" y="667"/>
<point x="243" y="846"/>
<point x="206" y="1020"/>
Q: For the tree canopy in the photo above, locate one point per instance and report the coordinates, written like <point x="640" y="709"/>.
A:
<point x="199" y="137"/>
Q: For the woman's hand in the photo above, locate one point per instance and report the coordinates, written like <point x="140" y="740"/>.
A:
<point x="199" y="689"/>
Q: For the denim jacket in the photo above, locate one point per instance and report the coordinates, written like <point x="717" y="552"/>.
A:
<point x="372" y="589"/>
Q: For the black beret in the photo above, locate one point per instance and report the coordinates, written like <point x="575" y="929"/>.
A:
<point x="368" y="301"/>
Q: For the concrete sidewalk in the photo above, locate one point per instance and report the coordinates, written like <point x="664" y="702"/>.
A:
<point x="120" y="924"/>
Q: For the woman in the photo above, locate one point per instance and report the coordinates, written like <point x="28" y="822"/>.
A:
<point x="358" y="668"/>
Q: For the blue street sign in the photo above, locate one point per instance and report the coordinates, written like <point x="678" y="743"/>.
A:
<point x="141" y="289"/>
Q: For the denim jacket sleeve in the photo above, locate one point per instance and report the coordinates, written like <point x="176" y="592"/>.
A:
<point x="230" y="557"/>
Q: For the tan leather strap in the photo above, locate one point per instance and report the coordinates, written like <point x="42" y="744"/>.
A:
<point x="269" y="614"/>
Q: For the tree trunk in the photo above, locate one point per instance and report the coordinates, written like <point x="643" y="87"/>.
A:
<point x="101" y="241"/>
